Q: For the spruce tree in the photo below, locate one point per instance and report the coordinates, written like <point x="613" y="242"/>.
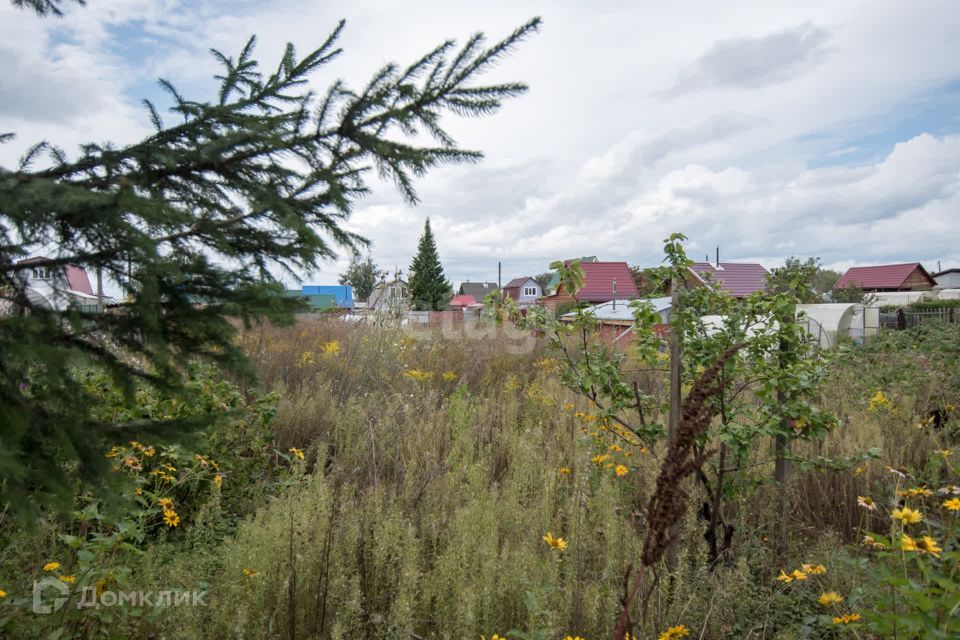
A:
<point x="197" y="223"/>
<point x="429" y="289"/>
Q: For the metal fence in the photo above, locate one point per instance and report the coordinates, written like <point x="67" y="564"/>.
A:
<point x="906" y="318"/>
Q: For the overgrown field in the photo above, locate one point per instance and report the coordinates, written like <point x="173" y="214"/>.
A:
<point x="378" y="484"/>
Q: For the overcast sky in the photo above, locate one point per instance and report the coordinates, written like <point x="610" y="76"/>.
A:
<point x="771" y="129"/>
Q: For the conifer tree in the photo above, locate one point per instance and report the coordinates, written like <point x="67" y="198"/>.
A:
<point x="196" y="224"/>
<point x="429" y="288"/>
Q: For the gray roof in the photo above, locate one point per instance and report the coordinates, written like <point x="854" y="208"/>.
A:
<point x="623" y="310"/>
<point x="478" y="290"/>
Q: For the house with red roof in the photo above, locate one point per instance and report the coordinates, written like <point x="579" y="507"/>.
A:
<point x="737" y="279"/>
<point x="55" y="287"/>
<point x="524" y="290"/>
<point x="909" y="276"/>
<point x="602" y="282"/>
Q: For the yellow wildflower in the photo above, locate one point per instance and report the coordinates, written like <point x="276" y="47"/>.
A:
<point x="908" y="544"/>
<point x="878" y="401"/>
<point x="497" y="636"/>
<point x="418" y="375"/>
<point x="830" y="598"/>
<point x="869" y="541"/>
<point x="599" y="459"/>
<point x="847" y="618"/>
<point x="166" y="504"/>
<point x="906" y="515"/>
<point x="296" y="452"/>
<point x="331" y="348"/>
<point x="672" y="633"/>
<point x="67" y="579"/>
<point x="306" y="359"/>
<point x="449" y="376"/>
<point x="555" y="543"/>
<point x="170" y="518"/>
<point x="249" y="572"/>
<point x="926" y="544"/>
<point x="867" y="503"/>
<point x="3" y="594"/>
<point x="796" y="574"/>
<point x="568" y="406"/>
<point x="614" y="448"/>
<point x="918" y="492"/>
<point x="814" y="569"/>
<point x="784" y="577"/>
<point x="51" y="566"/>
<point x="149" y="452"/>
<point x="113" y="453"/>
<point x="564" y="470"/>
<point x="945" y="453"/>
<point x="218" y="480"/>
<point x="953" y="504"/>
<point x="621" y="470"/>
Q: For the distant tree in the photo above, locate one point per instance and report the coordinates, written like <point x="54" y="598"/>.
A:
<point x="850" y="293"/>
<point x="651" y="281"/>
<point x="429" y="288"/>
<point x="211" y="207"/>
<point x="816" y="280"/>
<point x="543" y="279"/>
<point x="362" y="275"/>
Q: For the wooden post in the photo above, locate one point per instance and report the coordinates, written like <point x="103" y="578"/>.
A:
<point x="781" y="452"/>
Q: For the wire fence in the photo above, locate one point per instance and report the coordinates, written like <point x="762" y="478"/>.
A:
<point x="905" y="318"/>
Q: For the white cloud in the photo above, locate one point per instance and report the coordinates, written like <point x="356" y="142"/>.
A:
<point x="594" y="160"/>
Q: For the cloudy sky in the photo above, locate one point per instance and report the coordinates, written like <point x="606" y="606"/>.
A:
<point x="771" y="129"/>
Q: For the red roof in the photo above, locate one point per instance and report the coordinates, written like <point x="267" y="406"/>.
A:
<point x="76" y="276"/>
<point x="884" y="276"/>
<point x="739" y="279"/>
<point x="462" y="301"/>
<point x="598" y="278"/>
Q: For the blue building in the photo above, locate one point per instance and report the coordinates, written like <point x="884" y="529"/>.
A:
<point x="343" y="294"/>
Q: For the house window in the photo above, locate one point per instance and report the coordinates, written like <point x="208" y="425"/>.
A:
<point x="529" y="291"/>
<point x="41" y="273"/>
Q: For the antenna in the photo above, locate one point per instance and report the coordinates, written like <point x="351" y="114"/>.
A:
<point x="614" y="294"/>
<point x="718" y="256"/>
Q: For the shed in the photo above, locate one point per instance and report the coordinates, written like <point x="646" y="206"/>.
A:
<point x="342" y="294"/>
<point x="908" y="276"/>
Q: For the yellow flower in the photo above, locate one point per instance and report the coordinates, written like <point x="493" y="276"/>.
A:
<point x="846" y="619"/>
<point x="953" y="504"/>
<point x="907" y="543"/>
<point x="564" y="470"/>
<point x="784" y="577"/>
<point x="51" y="566"/>
<point x="149" y="452"/>
<point x="218" y="480"/>
<point x="306" y="359"/>
<point x="878" y="401"/>
<point x="419" y="376"/>
<point x="829" y="598"/>
<point x="621" y="470"/>
<point x="867" y="503"/>
<point x="672" y="633"/>
<point x="814" y="569"/>
<point x="555" y="543"/>
<point x="599" y="459"/>
<point x="796" y="574"/>
<point x="919" y="492"/>
<point x="166" y="504"/>
<point x="3" y="594"/>
<point x="331" y="348"/>
<point x="568" y="406"/>
<point x="449" y="376"/>
<point x="907" y="515"/>
<point x="249" y="572"/>
<point x="926" y="544"/>
<point x="868" y="541"/>
<point x="497" y="636"/>
<point x="170" y="518"/>
<point x="296" y="452"/>
<point x="67" y="579"/>
<point x="614" y="448"/>
<point x="946" y="453"/>
<point x="113" y="453"/>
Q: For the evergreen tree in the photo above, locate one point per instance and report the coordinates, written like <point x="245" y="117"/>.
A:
<point x="196" y="223"/>
<point x="429" y="288"/>
<point x="362" y="275"/>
